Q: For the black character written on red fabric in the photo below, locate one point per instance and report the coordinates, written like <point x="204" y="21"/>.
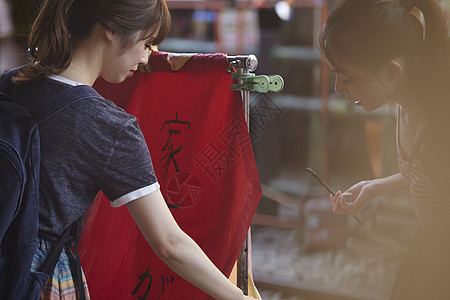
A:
<point x="142" y="278"/>
<point x="165" y="280"/>
<point x="174" y="129"/>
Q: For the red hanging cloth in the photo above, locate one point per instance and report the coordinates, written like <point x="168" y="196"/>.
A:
<point x="201" y="151"/>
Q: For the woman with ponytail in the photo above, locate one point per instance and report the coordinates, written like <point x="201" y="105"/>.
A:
<point x="93" y="145"/>
<point x="397" y="50"/>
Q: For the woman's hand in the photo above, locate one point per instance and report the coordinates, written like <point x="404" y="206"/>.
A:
<point x="353" y="200"/>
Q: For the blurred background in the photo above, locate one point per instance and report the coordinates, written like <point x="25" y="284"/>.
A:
<point x="300" y="250"/>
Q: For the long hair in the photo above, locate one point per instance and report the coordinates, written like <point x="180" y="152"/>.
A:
<point x="371" y="32"/>
<point x="61" y="25"/>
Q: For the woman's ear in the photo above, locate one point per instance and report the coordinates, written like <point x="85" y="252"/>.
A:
<point x="109" y="35"/>
<point x="104" y="34"/>
<point x="393" y="69"/>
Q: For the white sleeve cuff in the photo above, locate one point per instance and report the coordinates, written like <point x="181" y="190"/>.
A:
<point x="135" y="195"/>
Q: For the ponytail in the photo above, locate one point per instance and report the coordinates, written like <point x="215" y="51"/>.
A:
<point x="433" y="68"/>
<point x="49" y="41"/>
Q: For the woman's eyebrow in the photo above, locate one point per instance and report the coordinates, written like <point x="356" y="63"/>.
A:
<point x="150" y="36"/>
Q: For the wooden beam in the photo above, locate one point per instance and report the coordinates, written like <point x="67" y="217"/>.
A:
<point x="280" y="197"/>
<point x="276" y="221"/>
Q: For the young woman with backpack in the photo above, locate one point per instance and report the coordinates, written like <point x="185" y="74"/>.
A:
<point x="93" y="145"/>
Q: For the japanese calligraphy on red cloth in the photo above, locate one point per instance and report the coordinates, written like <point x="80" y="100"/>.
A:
<point x="201" y="151"/>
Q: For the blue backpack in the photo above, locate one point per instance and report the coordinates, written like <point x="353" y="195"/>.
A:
<point x="19" y="190"/>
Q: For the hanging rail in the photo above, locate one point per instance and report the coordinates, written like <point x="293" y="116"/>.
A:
<point x="240" y="68"/>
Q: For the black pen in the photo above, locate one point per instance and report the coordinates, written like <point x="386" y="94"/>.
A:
<point x="310" y="171"/>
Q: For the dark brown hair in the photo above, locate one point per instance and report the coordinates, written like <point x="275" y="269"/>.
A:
<point x="371" y="32"/>
<point x="62" y="24"/>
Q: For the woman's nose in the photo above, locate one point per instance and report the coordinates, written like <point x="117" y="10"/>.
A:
<point x="338" y="86"/>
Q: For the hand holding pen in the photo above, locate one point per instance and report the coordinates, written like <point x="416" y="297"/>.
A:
<point x="334" y="195"/>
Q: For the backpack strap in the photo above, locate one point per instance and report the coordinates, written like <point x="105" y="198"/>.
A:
<point x="6" y="85"/>
<point x="54" y="104"/>
<point x="62" y="100"/>
<point x="52" y="260"/>
<point x="73" y="232"/>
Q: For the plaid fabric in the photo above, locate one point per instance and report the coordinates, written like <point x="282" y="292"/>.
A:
<point x="60" y="284"/>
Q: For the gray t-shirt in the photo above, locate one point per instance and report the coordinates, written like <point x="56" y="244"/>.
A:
<point x="90" y="146"/>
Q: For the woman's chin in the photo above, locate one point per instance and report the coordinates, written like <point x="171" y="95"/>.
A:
<point x="115" y="80"/>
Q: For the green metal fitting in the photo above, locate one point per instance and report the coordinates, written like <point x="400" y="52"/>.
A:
<point x="257" y="83"/>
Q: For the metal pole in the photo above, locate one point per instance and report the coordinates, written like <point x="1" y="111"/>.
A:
<point x="246" y="64"/>
<point x="242" y="261"/>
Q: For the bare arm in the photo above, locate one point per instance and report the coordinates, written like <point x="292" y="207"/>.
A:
<point x="391" y="184"/>
<point x="353" y="200"/>
<point x="177" y="249"/>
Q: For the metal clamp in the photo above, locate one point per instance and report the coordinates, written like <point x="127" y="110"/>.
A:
<point x="257" y="83"/>
<point x="240" y="68"/>
<point x="249" y="63"/>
